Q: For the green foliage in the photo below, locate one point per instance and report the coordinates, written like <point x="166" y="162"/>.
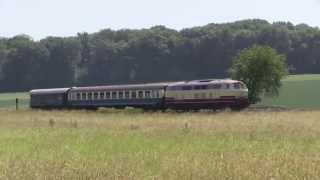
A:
<point x="261" y="68"/>
<point x="149" y="55"/>
<point x="23" y="68"/>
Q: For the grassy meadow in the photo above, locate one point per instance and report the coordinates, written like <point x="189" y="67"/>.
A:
<point x="298" y="91"/>
<point x="132" y="144"/>
<point x="112" y="144"/>
<point x="8" y="100"/>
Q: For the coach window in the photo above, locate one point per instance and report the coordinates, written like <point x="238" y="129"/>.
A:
<point x="133" y="95"/>
<point x="127" y="94"/>
<point x="204" y="87"/>
<point x="84" y="96"/>
<point x="120" y="95"/>
<point x="196" y="96"/>
<point x="140" y="94"/>
<point x="186" y="88"/>
<point x="78" y="96"/>
<point x="203" y="96"/>
<point x="114" y="95"/>
<point x="96" y="95"/>
<point x="101" y="95"/>
<point x="74" y="96"/>
<point x="108" y="95"/>
<point x="147" y="94"/>
<point x="89" y="96"/>
<point x="158" y="94"/>
<point x="196" y="88"/>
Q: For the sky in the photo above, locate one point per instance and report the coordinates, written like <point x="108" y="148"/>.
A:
<point x="42" y="18"/>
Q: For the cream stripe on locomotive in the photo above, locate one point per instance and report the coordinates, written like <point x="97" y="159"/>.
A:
<point x="222" y="90"/>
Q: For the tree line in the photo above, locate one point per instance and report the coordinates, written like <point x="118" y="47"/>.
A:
<point x="149" y="55"/>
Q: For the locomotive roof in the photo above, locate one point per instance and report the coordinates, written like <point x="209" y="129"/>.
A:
<point x="204" y="82"/>
<point x="49" y="91"/>
<point x="119" y="87"/>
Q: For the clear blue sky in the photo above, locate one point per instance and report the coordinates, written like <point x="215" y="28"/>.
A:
<point x="41" y="18"/>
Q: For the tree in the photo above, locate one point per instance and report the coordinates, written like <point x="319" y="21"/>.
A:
<point x="22" y="69"/>
<point x="261" y="68"/>
<point x="60" y="68"/>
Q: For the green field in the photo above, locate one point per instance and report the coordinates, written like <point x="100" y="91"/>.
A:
<point x="298" y="91"/>
<point x="8" y="100"/>
<point x="109" y="144"/>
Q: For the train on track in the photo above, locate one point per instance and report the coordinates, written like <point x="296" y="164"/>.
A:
<point x="185" y="95"/>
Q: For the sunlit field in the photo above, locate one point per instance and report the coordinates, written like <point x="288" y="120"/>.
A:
<point x="130" y="144"/>
<point x="8" y="100"/>
<point x="298" y="91"/>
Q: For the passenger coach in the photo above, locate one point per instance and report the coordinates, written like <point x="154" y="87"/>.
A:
<point x="49" y="98"/>
<point x="146" y="96"/>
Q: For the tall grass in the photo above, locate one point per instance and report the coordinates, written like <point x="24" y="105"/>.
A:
<point x="137" y="145"/>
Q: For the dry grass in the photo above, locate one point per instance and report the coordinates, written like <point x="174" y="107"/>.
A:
<point x="111" y="144"/>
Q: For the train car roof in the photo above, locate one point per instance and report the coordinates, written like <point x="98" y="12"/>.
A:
<point x="49" y="91"/>
<point x="119" y="87"/>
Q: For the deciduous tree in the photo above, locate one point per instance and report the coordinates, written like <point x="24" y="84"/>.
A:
<point x="261" y="68"/>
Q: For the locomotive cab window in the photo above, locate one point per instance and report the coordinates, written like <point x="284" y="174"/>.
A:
<point x="236" y="85"/>
<point x="243" y="86"/>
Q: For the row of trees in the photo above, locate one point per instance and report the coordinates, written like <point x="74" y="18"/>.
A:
<point x="149" y="55"/>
